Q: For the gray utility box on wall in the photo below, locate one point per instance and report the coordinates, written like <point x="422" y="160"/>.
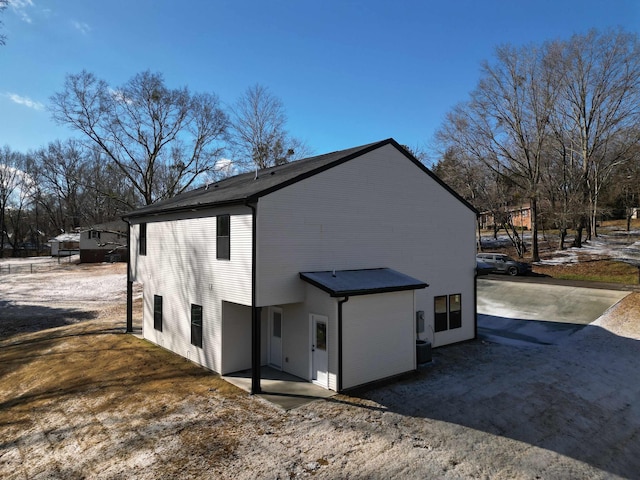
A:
<point x="423" y="351"/>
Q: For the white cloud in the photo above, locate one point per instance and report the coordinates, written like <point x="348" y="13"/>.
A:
<point x="119" y="96"/>
<point x="82" y="27"/>
<point x="20" y="8"/>
<point x="26" y="101"/>
<point x="225" y="167"/>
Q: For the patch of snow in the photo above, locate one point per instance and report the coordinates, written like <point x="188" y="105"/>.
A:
<point x="605" y="246"/>
<point x="39" y="260"/>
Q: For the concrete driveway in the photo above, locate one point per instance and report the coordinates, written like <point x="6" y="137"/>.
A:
<point x="531" y="313"/>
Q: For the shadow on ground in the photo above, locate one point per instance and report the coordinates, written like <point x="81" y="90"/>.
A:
<point x="515" y="331"/>
<point x="578" y="399"/>
<point x="16" y="319"/>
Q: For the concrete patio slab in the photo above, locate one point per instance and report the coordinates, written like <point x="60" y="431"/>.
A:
<point x="285" y="390"/>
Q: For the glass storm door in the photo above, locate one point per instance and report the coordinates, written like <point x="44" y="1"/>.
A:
<point x="319" y="352"/>
<point x="275" y="338"/>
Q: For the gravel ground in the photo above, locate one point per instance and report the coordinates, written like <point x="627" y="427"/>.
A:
<point x="81" y="399"/>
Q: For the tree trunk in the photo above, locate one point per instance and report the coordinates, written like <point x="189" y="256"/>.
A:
<point x="479" y="234"/>
<point x="516" y="241"/>
<point x="594" y="219"/>
<point x="2" y="231"/>
<point x="535" y="254"/>
<point x="577" y="241"/>
<point x="563" y="236"/>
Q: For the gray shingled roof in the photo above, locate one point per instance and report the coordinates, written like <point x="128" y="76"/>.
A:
<point x="341" y="283"/>
<point x="248" y="187"/>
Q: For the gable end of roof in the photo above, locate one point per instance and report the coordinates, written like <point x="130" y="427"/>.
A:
<point x="248" y="188"/>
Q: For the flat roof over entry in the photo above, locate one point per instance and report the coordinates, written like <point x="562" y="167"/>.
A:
<point x="342" y="283"/>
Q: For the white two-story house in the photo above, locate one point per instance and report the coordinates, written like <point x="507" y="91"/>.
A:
<point x="328" y="268"/>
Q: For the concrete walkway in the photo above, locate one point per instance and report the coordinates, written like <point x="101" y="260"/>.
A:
<point x="534" y="313"/>
<point x="280" y="388"/>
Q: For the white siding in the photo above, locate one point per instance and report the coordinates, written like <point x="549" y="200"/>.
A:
<point x="378" y="210"/>
<point x="378" y="337"/>
<point x="236" y="337"/>
<point x="181" y="266"/>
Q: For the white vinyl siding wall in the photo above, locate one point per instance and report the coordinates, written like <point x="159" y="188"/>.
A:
<point x="181" y="266"/>
<point x="378" y="210"/>
<point x="387" y="321"/>
<point x="236" y="338"/>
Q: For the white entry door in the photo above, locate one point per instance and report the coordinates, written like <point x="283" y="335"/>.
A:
<point x="319" y="351"/>
<point x="275" y="337"/>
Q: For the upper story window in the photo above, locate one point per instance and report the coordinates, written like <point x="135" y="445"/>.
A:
<point x="143" y="239"/>
<point x="94" y="234"/>
<point x="223" y="237"/>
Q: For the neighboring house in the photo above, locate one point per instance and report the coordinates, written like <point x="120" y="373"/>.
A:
<point x="520" y="217"/>
<point x="105" y="242"/>
<point x="318" y="267"/>
<point x="65" y="244"/>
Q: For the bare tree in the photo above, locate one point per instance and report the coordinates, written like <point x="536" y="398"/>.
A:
<point x="258" y="136"/>
<point x="10" y="164"/>
<point x="108" y="195"/>
<point x="60" y="179"/>
<point x="561" y="180"/>
<point x="162" y="140"/>
<point x="626" y="186"/>
<point x="17" y="189"/>
<point x="600" y="109"/>
<point x="505" y="124"/>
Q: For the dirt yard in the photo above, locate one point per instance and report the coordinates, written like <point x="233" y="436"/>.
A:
<point x="81" y="399"/>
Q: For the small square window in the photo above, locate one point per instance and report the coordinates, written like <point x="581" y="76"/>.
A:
<point x="196" y="325"/>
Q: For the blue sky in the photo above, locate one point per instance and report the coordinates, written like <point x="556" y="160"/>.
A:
<point x="348" y="72"/>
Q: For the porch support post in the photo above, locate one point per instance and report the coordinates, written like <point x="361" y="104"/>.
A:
<point x="129" y="283"/>
<point x="256" y="312"/>
<point x="255" y="350"/>
<point x="340" y="303"/>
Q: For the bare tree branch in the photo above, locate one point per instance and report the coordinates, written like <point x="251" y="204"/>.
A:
<point x="162" y="140"/>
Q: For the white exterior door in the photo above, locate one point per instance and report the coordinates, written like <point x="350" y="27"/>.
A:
<point x="319" y="351"/>
<point x="275" y="337"/>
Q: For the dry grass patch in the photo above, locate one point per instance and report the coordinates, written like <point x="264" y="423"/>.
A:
<point x="91" y="399"/>
<point x="592" y="269"/>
